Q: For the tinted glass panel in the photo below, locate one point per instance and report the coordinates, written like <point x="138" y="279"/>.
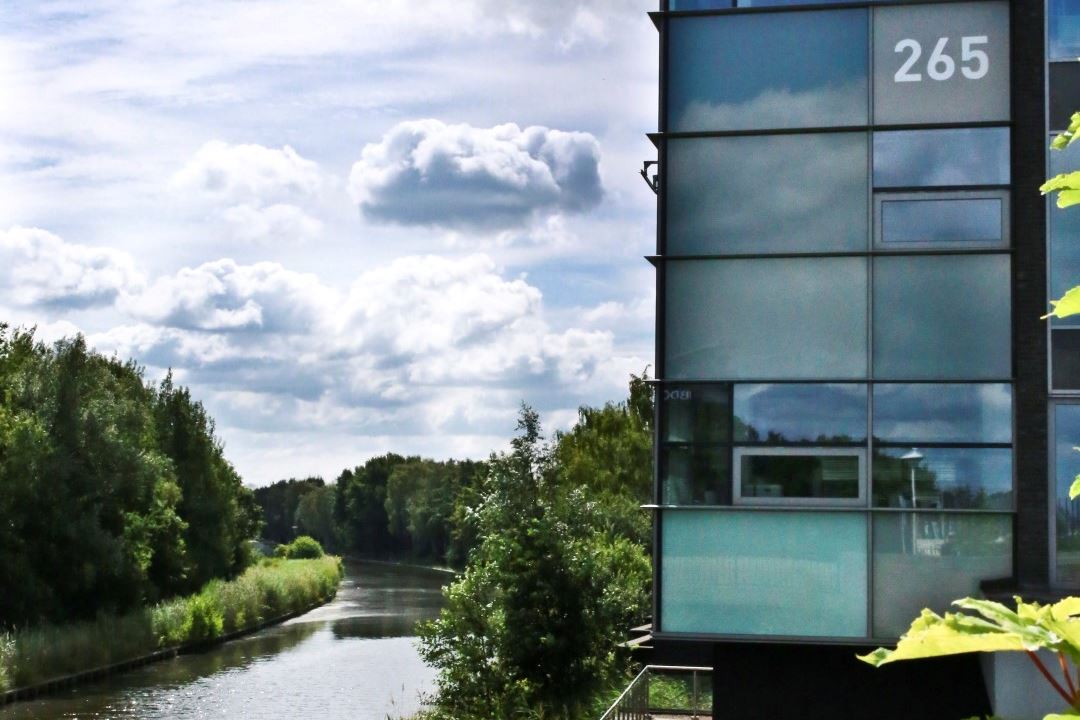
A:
<point x="946" y="62"/>
<point x="776" y="3"/>
<point x="1064" y="231"/>
<point x="748" y="319"/>
<point x="943" y="413"/>
<point x="971" y="221"/>
<point x="1066" y="359"/>
<point x="933" y="158"/>
<point x="800" y="413"/>
<point x="1067" y="512"/>
<point x="942" y="317"/>
<point x="1064" y="36"/>
<point x="943" y="478"/>
<point x="930" y="559"/>
<point x="698" y="4"/>
<point x="793" y="193"/>
<point x="1064" y="93"/>
<point x="810" y="476"/>
<point x="735" y="72"/>
<point x="763" y="573"/>
<point x="695" y="413"/>
<point x="695" y="476"/>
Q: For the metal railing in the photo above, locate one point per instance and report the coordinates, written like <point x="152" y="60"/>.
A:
<point x="665" y="691"/>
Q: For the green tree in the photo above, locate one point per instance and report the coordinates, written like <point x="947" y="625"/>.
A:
<point x="534" y="620"/>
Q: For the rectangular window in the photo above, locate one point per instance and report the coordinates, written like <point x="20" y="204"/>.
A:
<point x="930" y="559"/>
<point x="944" y="478"/>
<point x="1064" y="26"/>
<point x="794" y="413"/>
<point x="1065" y="343"/>
<point x="1064" y="93"/>
<point x="763" y="194"/>
<point x="1066" y="511"/>
<point x="762" y="318"/>
<point x="916" y="221"/>
<point x="799" y="475"/>
<point x="943" y="413"/>
<point x="695" y="476"/>
<point x="942" y="317"/>
<point x="695" y="413"/>
<point x="941" y="158"/>
<point x="763" y="573"/>
<point x="1064" y="229"/>
<point x="734" y="72"/>
<point x="699" y="4"/>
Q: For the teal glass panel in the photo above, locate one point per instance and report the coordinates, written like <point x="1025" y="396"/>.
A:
<point x="763" y="573"/>
<point x="944" y="478"/>
<point x="943" y="413"/>
<point x="765" y="194"/>
<point x="942" y="317"/>
<point x="1066" y="511"/>
<point x="1064" y="29"/>
<point x="799" y="319"/>
<point x="797" y="413"/>
<point x="735" y="72"/>
<point x="933" y="158"/>
<point x="930" y="559"/>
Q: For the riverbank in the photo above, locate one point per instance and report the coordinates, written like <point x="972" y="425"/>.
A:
<point x="271" y="591"/>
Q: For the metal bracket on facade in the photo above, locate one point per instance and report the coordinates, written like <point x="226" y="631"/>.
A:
<point x="654" y="181"/>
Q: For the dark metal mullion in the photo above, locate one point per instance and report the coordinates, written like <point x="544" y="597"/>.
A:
<point x="817" y="6"/>
<point x="831" y="130"/>
<point x="658" y="260"/>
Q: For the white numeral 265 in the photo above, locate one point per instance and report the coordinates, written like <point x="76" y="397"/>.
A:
<point x="940" y="66"/>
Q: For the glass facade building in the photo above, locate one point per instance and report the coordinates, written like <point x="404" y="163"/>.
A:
<point x="856" y="415"/>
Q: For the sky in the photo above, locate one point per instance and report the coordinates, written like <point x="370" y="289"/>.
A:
<point x="350" y="227"/>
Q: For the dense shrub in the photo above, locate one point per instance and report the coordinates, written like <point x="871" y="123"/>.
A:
<point x="302" y="548"/>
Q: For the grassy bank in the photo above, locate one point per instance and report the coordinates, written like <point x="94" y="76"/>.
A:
<point x="270" y="589"/>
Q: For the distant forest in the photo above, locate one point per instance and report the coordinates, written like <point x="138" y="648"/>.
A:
<point x="398" y="507"/>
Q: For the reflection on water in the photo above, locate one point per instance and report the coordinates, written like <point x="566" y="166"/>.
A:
<point x="352" y="658"/>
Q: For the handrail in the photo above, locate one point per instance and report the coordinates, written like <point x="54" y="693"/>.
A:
<point x="634" y="703"/>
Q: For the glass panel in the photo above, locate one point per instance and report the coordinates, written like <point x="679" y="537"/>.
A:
<point x="1064" y="93"/>
<point x="1066" y="512"/>
<point x="1064" y="37"/>
<point x="1064" y="227"/>
<point x="943" y="413"/>
<point x="800" y="413"/>
<point x="942" y="317"/>
<point x="944" y="478"/>
<point x="763" y="573"/>
<point x="734" y="72"/>
<point x="779" y="193"/>
<point x="777" y="3"/>
<point x="812" y="473"/>
<point x="935" y="158"/>
<point x="943" y="62"/>
<point x="783" y="318"/>
<point x="930" y="559"/>
<point x="695" y="413"/>
<point x="695" y="476"/>
<point x="1065" y="345"/>
<point x="941" y="221"/>
<point x="699" y="4"/>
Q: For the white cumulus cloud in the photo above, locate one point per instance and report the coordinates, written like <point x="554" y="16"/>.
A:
<point x="425" y="172"/>
<point x="40" y="268"/>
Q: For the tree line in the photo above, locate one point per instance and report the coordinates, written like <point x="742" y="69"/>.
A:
<point x="114" y="491"/>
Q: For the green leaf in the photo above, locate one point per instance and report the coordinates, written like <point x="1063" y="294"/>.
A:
<point x="1060" y="716"/>
<point x="1068" y="137"/>
<point x="1068" y="304"/>
<point x="1074" y="489"/>
<point x="932" y="635"/>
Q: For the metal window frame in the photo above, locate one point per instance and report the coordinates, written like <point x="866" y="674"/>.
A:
<point x="881" y="197"/>
<point x="738" y="453"/>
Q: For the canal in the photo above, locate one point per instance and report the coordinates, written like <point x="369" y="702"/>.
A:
<point x="353" y="658"/>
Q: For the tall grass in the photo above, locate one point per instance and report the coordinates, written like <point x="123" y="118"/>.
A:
<point x="265" y="591"/>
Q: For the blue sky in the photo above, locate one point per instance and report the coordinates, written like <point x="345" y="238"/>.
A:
<point x="351" y="227"/>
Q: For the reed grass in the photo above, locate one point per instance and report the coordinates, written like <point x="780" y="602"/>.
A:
<point x="264" y="591"/>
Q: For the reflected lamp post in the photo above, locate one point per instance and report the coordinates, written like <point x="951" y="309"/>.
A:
<point x="913" y="456"/>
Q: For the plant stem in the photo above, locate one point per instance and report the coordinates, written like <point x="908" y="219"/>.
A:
<point x="1046" y="674"/>
<point x="1067" y="674"/>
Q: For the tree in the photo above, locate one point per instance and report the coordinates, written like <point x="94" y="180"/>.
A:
<point x="534" y="620"/>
